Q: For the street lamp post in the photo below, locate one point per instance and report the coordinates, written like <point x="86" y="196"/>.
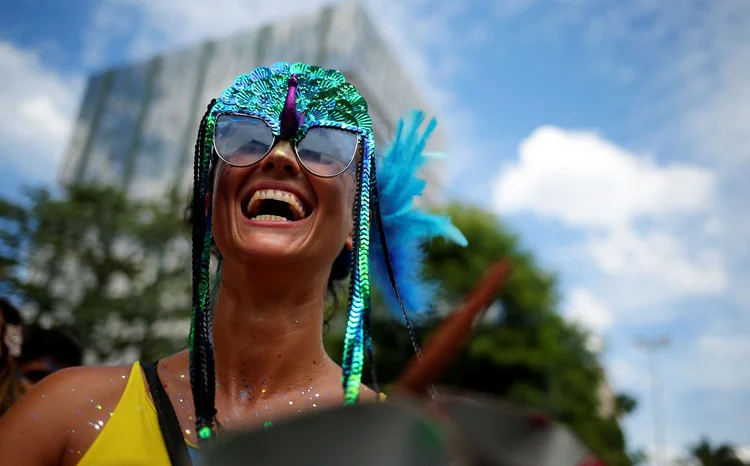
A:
<point x="651" y="346"/>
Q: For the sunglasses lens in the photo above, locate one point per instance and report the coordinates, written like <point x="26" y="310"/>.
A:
<point x="327" y="151"/>
<point x="242" y="140"/>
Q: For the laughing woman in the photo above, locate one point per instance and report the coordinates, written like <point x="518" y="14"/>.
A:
<point x="285" y="191"/>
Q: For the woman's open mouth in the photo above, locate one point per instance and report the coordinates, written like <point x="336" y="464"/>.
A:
<point x="274" y="205"/>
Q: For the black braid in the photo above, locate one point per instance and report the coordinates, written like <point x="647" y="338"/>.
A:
<point x="381" y="231"/>
<point x="370" y="357"/>
<point x="354" y="270"/>
<point x="391" y="275"/>
<point x="202" y="371"/>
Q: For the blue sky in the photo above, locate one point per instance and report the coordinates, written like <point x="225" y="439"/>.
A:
<point x="611" y="135"/>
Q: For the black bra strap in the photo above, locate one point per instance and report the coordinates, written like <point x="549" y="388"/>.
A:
<point x="168" y="423"/>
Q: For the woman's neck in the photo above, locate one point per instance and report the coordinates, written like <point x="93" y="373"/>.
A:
<point x="267" y="340"/>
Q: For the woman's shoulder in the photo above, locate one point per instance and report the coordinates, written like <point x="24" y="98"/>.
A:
<point x="84" y="384"/>
<point x="79" y="385"/>
<point x="59" y="409"/>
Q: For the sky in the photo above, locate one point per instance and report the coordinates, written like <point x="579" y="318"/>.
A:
<point x="612" y="136"/>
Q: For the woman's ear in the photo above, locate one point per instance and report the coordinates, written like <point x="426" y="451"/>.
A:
<point x="349" y="243"/>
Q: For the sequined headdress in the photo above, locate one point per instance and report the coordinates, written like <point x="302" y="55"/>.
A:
<point x="293" y="98"/>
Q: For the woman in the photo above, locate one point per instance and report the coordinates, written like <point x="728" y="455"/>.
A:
<point x="11" y="338"/>
<point x="285" y="189"/>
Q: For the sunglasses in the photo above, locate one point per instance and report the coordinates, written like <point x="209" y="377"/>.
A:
<point x="243" y="140"/>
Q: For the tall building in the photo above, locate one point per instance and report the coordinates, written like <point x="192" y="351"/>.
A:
<point x="137" y="125"/>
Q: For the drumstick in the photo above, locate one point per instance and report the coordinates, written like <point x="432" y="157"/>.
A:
<point x="445" y="345"/>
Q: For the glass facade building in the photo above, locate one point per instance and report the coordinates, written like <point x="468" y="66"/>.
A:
<point x="137" y="125"/>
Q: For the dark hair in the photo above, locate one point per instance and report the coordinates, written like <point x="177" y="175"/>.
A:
<point x="11" y="314"/>
<point x="55" y="344"/>
<point x="10" y="387"/>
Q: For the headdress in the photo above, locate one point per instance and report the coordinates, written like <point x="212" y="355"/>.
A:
<point x="291" y="99"/>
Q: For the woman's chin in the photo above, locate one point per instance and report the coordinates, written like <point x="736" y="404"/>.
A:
<point x="270" y="243"/>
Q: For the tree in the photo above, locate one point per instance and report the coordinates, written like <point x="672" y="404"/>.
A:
<point x="624" y="404"/>
<point x="107" y="268"/>
<point x="720" y="455"/>
<point x="528" y="353"/>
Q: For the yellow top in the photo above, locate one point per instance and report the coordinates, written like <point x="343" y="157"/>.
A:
<point x="132" y="436"/>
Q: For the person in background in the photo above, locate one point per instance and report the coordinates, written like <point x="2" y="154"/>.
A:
<point x="46" y="351"/>
<point x="11" y="339"/>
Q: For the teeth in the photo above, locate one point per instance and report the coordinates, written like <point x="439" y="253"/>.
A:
<point x="273" y="218"/>
<point x="289" y="198"/>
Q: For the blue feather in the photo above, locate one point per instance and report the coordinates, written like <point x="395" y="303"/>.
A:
<point x="407" y="228"/>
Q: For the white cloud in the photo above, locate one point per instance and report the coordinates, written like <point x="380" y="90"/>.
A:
<point x="41" y="104"/>
<point x="591" y="314"/>
<point x="688" y="67"/>
<point x="743" y="453"/>
<point x="586" y="309"/>
<point x="659" y="257"/>
<point x="584" y="181"/>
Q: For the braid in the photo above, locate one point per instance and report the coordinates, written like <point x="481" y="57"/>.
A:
<point x="202" y="371"/>
<point x="349" y="339"/>
<point x="199" y="222"/>
<point x="359" y="286"/>
<point x="367" y="321"/>
<point x="388" y="265"/>
<point x="391" y="275"/>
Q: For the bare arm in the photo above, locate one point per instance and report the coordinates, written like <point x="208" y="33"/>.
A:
<point x="32" y="432"/>
<point x="47" y="427"/>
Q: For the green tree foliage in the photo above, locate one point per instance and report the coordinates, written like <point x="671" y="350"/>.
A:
<point x="624" y="405"/>
<point x="707" y="454"/>
<point x="105" y="267"/>
<point x="527" y="354"/>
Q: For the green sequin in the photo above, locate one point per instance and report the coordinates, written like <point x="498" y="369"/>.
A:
<point x="323" y="97"/>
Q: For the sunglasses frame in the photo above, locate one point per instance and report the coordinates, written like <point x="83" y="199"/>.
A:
<point x="277" y="138"/>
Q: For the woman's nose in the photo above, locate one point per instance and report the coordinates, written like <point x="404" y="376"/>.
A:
<point x="282" y="158"/>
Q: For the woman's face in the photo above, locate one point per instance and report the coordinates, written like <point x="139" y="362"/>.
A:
<point x="277" y="212"/>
